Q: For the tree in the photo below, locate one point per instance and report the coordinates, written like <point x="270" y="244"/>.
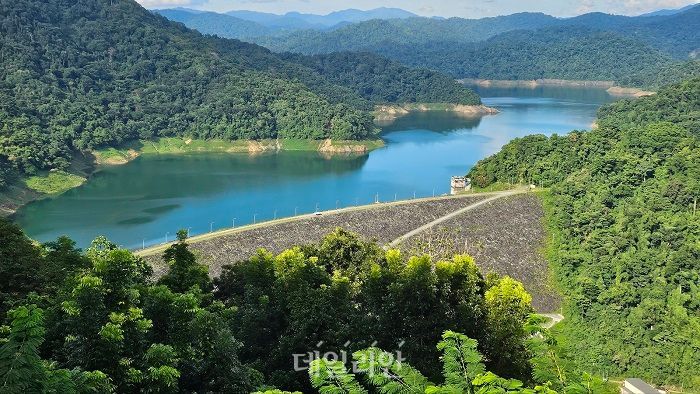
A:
<point x="22" y="370"/>
<point x="508" y="307"/>
<point x="20" y="265"/>
<point x="184" y="271"/>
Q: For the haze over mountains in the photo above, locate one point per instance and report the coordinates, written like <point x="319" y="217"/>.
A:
<point x="593" y="46"/>
<point x="245" y="24"/>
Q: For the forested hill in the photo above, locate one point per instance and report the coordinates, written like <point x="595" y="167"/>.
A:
<point x="521" y="46"/>
<point x="87" y="74"/>
<point x="576" y="53"/>
<point x="226" y="26"/>
<point x="626" y="232"/>
<point x="380" y="80"/>
<point x="675" y="34"/>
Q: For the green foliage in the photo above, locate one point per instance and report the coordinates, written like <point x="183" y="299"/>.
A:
<point x="55" y="182"/>
<point x="659" y="77"/>
<point x="461" y="361"/>
<point x="622" y="212"/>
<point x="345" y="294"/>
<point x="385" y="371"/>
<point x="21" y="368"/>
<point x="382" y="81"/>
<point x="105" y="314"/>
<point x="184" y="272"/>
<point x="331" y="377"/>
<point x="20" y="263"/>
<point x="639" y="51"/>
<point x="382" y="371"/>
<point x="84" y="75"/>
<point x="508" y="305"/>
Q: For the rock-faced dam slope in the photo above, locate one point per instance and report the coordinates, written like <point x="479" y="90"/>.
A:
<point x="503" y="231"/>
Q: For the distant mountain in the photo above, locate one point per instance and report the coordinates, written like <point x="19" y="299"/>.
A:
<point x="297" y="20"/>
<point x="666" y="12"/>
<point x="366" y="35"/>
<point x="217" y="24"/>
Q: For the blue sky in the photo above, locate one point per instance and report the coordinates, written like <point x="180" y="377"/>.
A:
<point x="461" y="8"/>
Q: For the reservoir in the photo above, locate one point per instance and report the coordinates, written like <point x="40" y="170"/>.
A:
<point x="149" y="199"/>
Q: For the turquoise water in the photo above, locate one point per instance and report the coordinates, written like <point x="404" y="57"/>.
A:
<point x="154" y="196"/>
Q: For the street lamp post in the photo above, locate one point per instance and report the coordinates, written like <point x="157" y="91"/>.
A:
<point x="233" y="221"/>
<point x="211" y="227"/>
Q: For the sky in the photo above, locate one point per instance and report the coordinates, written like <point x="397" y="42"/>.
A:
<point x="446" y="8"/>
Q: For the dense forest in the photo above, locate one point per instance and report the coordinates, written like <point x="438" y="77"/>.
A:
<point x="554" y="52"/>
<point x="674" y="34"/>
<point x="81" y="75"/>
<point x="99" y="321"/>
<point x="558" y="52"/>
<point x="382" y="81"/>
<point x="626" y="232"/>
<point x="594" y="46"/>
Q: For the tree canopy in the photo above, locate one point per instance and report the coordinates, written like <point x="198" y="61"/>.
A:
<point x="623" y="213"/>
<point x="77" y="76"/>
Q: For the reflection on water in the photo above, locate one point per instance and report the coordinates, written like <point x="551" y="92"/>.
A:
<point x="432" y="121"/>
<point x="154" y="196"/>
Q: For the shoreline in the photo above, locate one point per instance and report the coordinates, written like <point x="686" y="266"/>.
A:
<point x="21" y="193"/>
<point x="176" y="145"/>
<point x="618" y="91"/>
<point x="534" y="83"/>
<point x="387" y="114"/>
<point x="609" y="86"/>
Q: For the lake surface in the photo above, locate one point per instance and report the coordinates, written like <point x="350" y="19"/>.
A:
<point x="149" y="199"/>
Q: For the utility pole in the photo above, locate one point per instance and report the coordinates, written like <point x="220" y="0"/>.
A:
<point x="695" y="206"/>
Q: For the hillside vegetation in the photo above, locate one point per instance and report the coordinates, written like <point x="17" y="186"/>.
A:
<point x="593" y="46"/>
<point x="626" y="232"/>
<point x="556" y="53"/>
<point x="77" y="76"/>
<point x="383" y="81"/>
<point x="98" y="321"/>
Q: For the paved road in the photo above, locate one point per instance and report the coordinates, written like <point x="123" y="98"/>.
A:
<point x="554" y="318"/>
<point x="445" y="218"/>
